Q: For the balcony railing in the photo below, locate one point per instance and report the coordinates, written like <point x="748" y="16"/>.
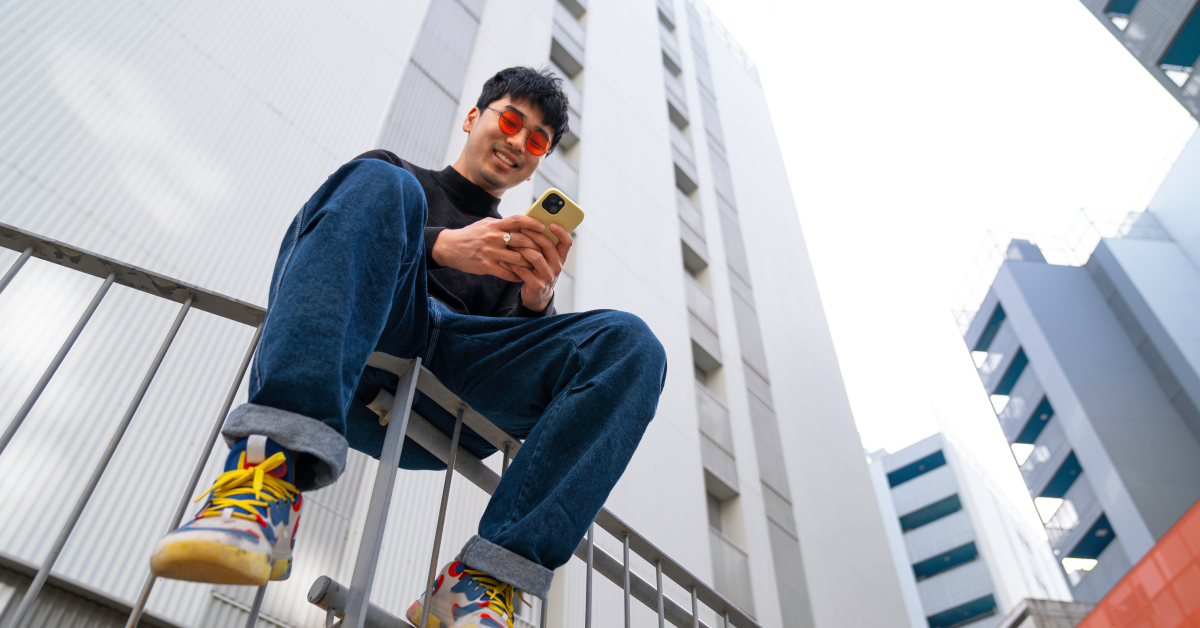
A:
<point x="731" y="569"/>
<point x="350" y="603"/>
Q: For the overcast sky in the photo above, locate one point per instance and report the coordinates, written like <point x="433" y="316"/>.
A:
<point x="911" y="129"/>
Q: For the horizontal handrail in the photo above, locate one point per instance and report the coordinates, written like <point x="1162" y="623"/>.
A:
<point x="141" y="279"/>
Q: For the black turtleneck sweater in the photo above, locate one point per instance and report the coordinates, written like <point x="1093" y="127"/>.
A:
<point x="454" y="202"/>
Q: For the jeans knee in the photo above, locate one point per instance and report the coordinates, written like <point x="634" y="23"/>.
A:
<point x="638" y="341"/>
<point x="383" y="198"/>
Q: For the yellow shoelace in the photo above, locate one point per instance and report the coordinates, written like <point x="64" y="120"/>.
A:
<point x="500" y="595"/>
<point x="255" y="481"/>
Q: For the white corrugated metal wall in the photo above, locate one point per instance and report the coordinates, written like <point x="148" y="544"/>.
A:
<point x="181" y="137"/>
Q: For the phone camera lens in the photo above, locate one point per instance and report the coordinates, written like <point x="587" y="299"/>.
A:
<point x="553" y="204"/>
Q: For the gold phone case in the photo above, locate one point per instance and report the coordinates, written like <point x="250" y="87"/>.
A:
<point x="568" y="217"/>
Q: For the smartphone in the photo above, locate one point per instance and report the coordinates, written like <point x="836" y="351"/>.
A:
<point x="553" y="207"/>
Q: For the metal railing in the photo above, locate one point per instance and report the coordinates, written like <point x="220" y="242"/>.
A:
<point x="349" y="604"/>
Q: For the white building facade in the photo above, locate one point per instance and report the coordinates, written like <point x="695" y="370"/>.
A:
<point x="962" y="556"/>
<point x="183" y="137"/>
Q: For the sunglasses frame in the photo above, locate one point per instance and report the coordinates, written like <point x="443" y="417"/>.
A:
<point x="500" y="123"/>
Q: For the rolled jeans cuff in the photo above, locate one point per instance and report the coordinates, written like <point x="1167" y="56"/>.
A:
<point x="321" y="450"/>
<point x="507" y="567"/>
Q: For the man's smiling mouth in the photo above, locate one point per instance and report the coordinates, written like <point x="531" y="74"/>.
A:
<point x="506" y="160"/>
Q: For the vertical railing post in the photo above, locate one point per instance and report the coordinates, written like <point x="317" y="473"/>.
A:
<point x="661" y="609"/>
<point x="140" y="605"/>
<point x="16" y="267"/>
<point x="587" y="618"/>
<point x="44" y="573"/>
<point x="437" y="535"/>
<point x="628" y="615"/>
<point x="256" y="607"/>
<point x="695" y="609"/>
<point x="381" y="500"/>
<point x="11" y="430"/>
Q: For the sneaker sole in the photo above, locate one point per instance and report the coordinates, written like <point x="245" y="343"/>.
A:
<point x="282" y="569"/>
<point x="414" y="616"/>
<point x="216" y="563"/>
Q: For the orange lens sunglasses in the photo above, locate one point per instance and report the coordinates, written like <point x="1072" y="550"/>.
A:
<point x="511" y="123"/>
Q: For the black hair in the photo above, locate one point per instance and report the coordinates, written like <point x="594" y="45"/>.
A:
<point x="539" y="87"/>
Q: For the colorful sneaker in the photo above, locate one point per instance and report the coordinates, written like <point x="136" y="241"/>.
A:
<point x="247" y="528"/>
<point x="466" y="598"/>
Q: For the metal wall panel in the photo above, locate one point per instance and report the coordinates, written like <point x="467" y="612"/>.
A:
<point x="794" y="597"/>
<point x="181" y="137"/>
<point x="444" y="47"/>
<point x="419" y="125"/>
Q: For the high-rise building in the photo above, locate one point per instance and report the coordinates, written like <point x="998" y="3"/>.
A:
<point x="963" y="557"/>
<point x="1092" y="370"/>
<point x="1164" y="35"/>
<point x="183" y="137"/>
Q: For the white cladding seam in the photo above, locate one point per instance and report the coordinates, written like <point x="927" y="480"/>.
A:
<point x="790" y="579"/>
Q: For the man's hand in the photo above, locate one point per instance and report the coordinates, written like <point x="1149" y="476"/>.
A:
<point x="479" y="247"/>
<point x="544" y="264"/>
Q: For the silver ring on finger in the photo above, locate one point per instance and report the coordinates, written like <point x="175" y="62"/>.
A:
<point x="507" y="238"/>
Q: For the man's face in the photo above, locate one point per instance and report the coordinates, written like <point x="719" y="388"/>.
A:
<point x="494" y="160"/>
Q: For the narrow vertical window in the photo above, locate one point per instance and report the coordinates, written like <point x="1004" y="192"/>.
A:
<point x="1181" y="56"/>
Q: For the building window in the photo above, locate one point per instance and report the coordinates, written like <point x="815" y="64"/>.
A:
<point x="1087" y="552"/>
<point x="1063" y="478"/>
<point x="1015" y="368"/>
<point x="1118" y="11"/>
<point x="1036" y="423"/>
<point x="930" y="513"/>
<point x="714" y="513"/>
<point x="945" y="561"/>
<point x="918" y="468"/>
<point x="1120" y="7"/>
<point x="989" y="331"/>
<point x="1181" y="56"/>
<point x="964" y="613"/>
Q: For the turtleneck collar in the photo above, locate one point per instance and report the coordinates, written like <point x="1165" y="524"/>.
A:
<point x="474" y="199"/>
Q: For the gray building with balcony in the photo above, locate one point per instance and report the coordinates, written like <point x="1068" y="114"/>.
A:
<point x="1092" y="371"/>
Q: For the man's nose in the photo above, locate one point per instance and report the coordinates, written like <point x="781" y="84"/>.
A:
<point x="517" y="142"/>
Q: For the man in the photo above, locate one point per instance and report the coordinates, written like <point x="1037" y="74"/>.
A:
<point x="391" y="257"/>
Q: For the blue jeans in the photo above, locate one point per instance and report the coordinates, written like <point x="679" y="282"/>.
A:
<point x="580" y="389"/>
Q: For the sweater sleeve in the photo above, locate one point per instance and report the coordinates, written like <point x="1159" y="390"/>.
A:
<point x="524" y="312"/>
<point x="431" y="236"/>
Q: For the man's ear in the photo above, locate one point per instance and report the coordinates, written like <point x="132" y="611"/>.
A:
<point x="472" y="116"/>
